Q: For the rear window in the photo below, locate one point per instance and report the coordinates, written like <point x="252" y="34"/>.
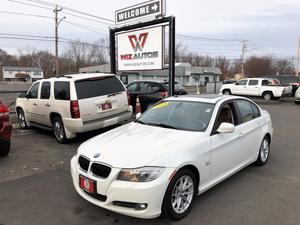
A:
<point x="98" y="86"/>
<point x="62" y="90"/>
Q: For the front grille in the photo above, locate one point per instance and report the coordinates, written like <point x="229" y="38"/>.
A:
<point x="83" y="163"/>
<point x="100" y="170"/>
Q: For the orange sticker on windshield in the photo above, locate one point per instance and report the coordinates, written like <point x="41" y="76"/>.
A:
<point x="161" y="105"/>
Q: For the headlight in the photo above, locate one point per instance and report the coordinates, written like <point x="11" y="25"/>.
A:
<point x="144" y="174"/>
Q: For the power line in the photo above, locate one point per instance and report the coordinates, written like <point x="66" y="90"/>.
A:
<point x="28" y="4"/>
<point x="26" y="14"/>
<point x="82" y="17"/>
<point x="83" y="27"/>
<point x="72" y="10"/>
<point x="206" y="38"/>
<point x="25" y="35"/>
<point x="44" y="39"/>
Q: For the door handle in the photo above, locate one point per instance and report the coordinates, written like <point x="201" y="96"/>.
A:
<point x="260" y="124"/>
<point x="241" y="134"/>
<point x="47" y="105"/>
<point x="34" y="104"/>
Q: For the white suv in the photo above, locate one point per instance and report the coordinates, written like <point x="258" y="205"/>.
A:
<point x="74" y="104"/>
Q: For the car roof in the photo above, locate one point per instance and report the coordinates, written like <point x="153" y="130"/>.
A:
<point x="206" y="98"/>
<point x="153" y="81"/>
<point x="79" y="76"/>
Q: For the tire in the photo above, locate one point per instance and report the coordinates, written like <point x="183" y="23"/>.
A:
<point x="264" y="152"/>
<point x="226" y="92"/>
<point x="267" y="96"/>
<point x="59" y="130"/>
<point x="297" y="102"/>
<point x="171" y="196"/>
<point x="5" y="148"/>
<point x="22" y="119"/>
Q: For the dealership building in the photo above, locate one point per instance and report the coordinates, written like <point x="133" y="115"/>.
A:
<point x="185" y="74"/>
<point x="13" y="73"/>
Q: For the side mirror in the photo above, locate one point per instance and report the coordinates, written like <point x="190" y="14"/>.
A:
<point x="226" y="128"/>
<point x="22" y="95"/>
<point x="138" y="115"/>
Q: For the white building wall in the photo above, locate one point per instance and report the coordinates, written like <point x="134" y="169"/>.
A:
<point x="12" y="74"/>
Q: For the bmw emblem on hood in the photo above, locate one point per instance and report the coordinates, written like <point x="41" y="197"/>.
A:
<point x="96" y="155"/>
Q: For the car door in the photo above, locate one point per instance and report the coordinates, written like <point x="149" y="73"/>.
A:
<point x="249" y="125"/>
<point x="253" y="87"/>
<point x="44" y="104"/>
<point x="31" y="102"/>
<point x="240" y="88"/>
<point x="227" y="148"/>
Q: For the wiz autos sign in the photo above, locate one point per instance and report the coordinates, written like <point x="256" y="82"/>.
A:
<point x="140" y="49"/>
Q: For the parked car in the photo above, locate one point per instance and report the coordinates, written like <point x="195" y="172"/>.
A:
<point x="263" y="87"/>
<point x="291" y="80"/>
<point x="297" y="96"/>
<point x="5" y="130"/>
<point x="74" y="104"/>
<point x="150" y="92"/>
<point x="176" y="150"/>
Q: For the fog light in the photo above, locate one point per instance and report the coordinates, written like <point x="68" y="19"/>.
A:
<point x="141" y="206"/>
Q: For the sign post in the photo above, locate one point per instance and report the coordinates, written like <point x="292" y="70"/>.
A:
<point x="140" y="46"/>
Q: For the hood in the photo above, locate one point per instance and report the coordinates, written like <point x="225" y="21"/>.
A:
<point x="227" y="85"/>
<point x="136" y="145"/>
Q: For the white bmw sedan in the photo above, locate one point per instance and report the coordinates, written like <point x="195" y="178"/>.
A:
<point x="176" y="150"/>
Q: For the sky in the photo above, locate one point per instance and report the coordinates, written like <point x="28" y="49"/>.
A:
<point x="272" y="27"/>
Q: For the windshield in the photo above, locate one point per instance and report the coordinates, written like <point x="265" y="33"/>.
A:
<point x="181" y="115"/>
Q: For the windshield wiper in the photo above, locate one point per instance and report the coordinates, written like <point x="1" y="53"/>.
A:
<point x="162" y="125"/>
<point x="141" y="122"/>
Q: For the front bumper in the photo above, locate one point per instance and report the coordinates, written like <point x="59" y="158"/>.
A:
<point x="150" y="193"/>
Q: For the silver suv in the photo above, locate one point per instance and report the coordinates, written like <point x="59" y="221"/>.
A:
<point x="74" y="104"/>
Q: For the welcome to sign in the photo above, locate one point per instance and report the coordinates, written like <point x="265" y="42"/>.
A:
<point x="150" y="9"/>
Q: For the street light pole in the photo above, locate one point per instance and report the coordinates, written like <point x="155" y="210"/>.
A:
<point x="57" y="22"/>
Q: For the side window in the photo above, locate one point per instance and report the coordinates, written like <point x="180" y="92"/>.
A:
<point x="256" y="111"/>
<point x="62" y="90"/>
<point x="225" y="115"/>
<point x="34" y="91"/>
<point x="145" y="87"/>
<point x="246" y="111"/>
<point x="45" y="90"/>
<point x="253" y="82"/>
<point x="132" y="87"/>
<point x="242" y="82"/>
<point x="154" y="87"/>
<point x="266" y="83"/>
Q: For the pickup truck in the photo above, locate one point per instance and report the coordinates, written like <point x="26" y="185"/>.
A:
<point x="257" y="87"/>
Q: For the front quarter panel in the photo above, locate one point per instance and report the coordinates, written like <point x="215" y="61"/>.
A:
<point x="196" y="154"/>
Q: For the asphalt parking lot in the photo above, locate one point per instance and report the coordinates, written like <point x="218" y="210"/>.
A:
<point x="36" y="186"/>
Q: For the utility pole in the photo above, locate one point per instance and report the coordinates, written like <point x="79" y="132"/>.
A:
<point x="244" y="47"/>
<point x="57" y="22"/>
<point x="298" y="59"/>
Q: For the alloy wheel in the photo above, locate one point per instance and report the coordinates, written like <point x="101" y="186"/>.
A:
<point x="22" y="120"/>
<point x="264" y="150"/>
<point x="58" y="130"/>
<point x="183" y="193"/>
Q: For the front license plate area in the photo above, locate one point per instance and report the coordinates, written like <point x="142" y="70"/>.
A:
<point x="87" y="184"/>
